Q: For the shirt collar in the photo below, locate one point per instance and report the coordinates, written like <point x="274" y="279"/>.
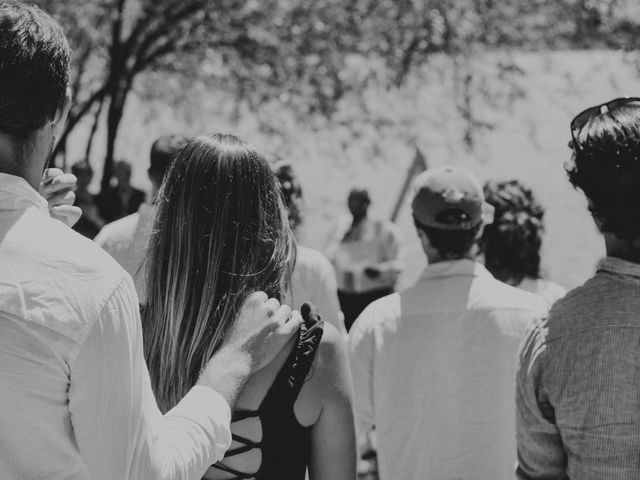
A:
<point x="619" y="266"/>
<point x="17" y="194"/>
<point x="455" y="268"/>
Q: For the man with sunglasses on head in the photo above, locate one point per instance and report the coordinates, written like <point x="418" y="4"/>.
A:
<point x="75" y="396"/>
<point x="578" y="380"/>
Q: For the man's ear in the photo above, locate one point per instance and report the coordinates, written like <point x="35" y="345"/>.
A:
<point x="61" y="113"/>
<point x="424" y="240"/>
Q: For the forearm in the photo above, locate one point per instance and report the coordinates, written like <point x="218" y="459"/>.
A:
<point x="191" y="436"/>
<point x="226" y="373"/>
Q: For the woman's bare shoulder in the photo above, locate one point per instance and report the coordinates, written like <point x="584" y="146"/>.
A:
<point x="330" y="363"/>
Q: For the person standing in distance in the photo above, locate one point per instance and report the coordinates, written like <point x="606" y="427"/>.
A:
<point x="511" y="244"/>
<point x="434" y="365"/>
<point x="367" y="258"/>
<point x="74" y="387"/>
<point x="578" y="381"/>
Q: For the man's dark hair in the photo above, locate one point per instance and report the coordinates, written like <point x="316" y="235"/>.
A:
<point x="34" y="68"/>
<point x="162" y="152"/>
<point x="511" y="244"/>
<point x="606" y="167"/>
<point x="450" y="244"/>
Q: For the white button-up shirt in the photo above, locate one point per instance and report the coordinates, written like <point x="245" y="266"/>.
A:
<point x="372" y="243"/>
<point x="434" y="371"/>
<point x="75" y="396"/>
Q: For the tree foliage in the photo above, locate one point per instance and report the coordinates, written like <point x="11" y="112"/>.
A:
<point x="310" y="54"/>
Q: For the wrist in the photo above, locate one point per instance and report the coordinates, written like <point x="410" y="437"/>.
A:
<point x="227" y="372"/>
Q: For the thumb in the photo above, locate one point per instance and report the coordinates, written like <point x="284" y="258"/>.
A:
<point x="291" y="326"/>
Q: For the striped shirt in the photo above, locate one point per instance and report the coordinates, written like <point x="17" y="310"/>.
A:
<point x="578" y="382"/>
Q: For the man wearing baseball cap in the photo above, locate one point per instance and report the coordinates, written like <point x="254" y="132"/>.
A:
<point x="434" y="365"/>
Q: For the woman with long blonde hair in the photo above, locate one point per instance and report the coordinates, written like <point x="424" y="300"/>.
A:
<point x="221" y="233"/>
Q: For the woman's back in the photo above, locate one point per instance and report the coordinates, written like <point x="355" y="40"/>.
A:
<point x="279" y="407"/>
<point x="221" y="233"/>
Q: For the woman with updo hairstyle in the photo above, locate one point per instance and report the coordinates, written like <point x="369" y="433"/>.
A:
<point x="511" y="244"/>
<point x="221" y="233"/>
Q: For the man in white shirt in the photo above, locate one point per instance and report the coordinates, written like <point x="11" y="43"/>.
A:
<point x="75" y="397"/>
<point x="434" y="365"/>
<point x="126" y="239"/>
<point x="366" y="256"/>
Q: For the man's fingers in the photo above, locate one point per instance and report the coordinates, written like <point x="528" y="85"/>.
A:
<point x="257" y="298"/>
<point x="272" y="305"/>
<point x="291" y="326"/>
<point x="282" y="314"/>
<point x="66" y="197"/>
<point x="66" y="181"/>
<point x="67" y="214"/>
<point x="50" y="173"/>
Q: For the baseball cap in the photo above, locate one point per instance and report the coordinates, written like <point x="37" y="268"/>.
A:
<point x="450" y="198"/>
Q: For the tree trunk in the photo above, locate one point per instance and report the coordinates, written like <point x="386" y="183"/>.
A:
<point x="94" y="129"/>
<point x="117" y="102"/>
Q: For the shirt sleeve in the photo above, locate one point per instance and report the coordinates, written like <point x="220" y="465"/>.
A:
<point x="361" y="356"/>
<point x="393" y="253"/>
<point x="540" y="451"/>
<point x="118" y="427"/>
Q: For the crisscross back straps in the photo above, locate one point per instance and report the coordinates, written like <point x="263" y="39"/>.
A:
<point x="246" y="445"/>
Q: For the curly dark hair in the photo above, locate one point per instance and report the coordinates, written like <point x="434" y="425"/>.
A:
<point x="511" y="244"/>
<point x="291" y="191"/>
<point x="606" y="167"/>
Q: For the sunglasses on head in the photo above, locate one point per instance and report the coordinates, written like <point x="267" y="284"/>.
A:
<point x="584" y="116"/>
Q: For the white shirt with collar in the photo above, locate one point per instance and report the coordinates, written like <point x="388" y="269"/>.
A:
<point x="434" y="371"/>
<point x="75" y="395"/>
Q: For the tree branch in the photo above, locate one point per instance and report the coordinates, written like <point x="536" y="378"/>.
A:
<point x="78" y="114"/>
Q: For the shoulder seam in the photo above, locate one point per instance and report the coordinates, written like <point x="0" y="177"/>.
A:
<point x="91" y="325"/>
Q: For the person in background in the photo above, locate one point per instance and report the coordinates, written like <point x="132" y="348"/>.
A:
<point x="367" y="258"/>
<point x="122" y="199"/>
<point x="126" y="239"/>
<point x="511" y="244"/>
<point x="434" y="365"/>
<point x="90" y="223"/>
<point x="221" y="232"/>
<point x="578" y="378"/>
<point x="313" y="279"/>
<point x="74" y="387"/>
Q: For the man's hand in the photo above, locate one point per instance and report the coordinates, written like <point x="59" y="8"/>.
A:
<point x="262" y="329"/>
<point x="372" y="272"/>
<point x="57" y="189"/>
<point x="260" y="332"/>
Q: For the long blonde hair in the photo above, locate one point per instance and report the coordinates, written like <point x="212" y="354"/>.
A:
<point x="221" y="233"/>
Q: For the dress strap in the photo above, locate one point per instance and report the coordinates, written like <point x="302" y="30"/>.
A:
<point x="238" y="474"/>
<point x="291" y="377"/>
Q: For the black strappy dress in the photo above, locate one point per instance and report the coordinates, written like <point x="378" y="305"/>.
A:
<point x="285" y="444"/>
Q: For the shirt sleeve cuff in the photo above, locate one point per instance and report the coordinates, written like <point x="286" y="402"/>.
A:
<point x="207" y="408"/>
